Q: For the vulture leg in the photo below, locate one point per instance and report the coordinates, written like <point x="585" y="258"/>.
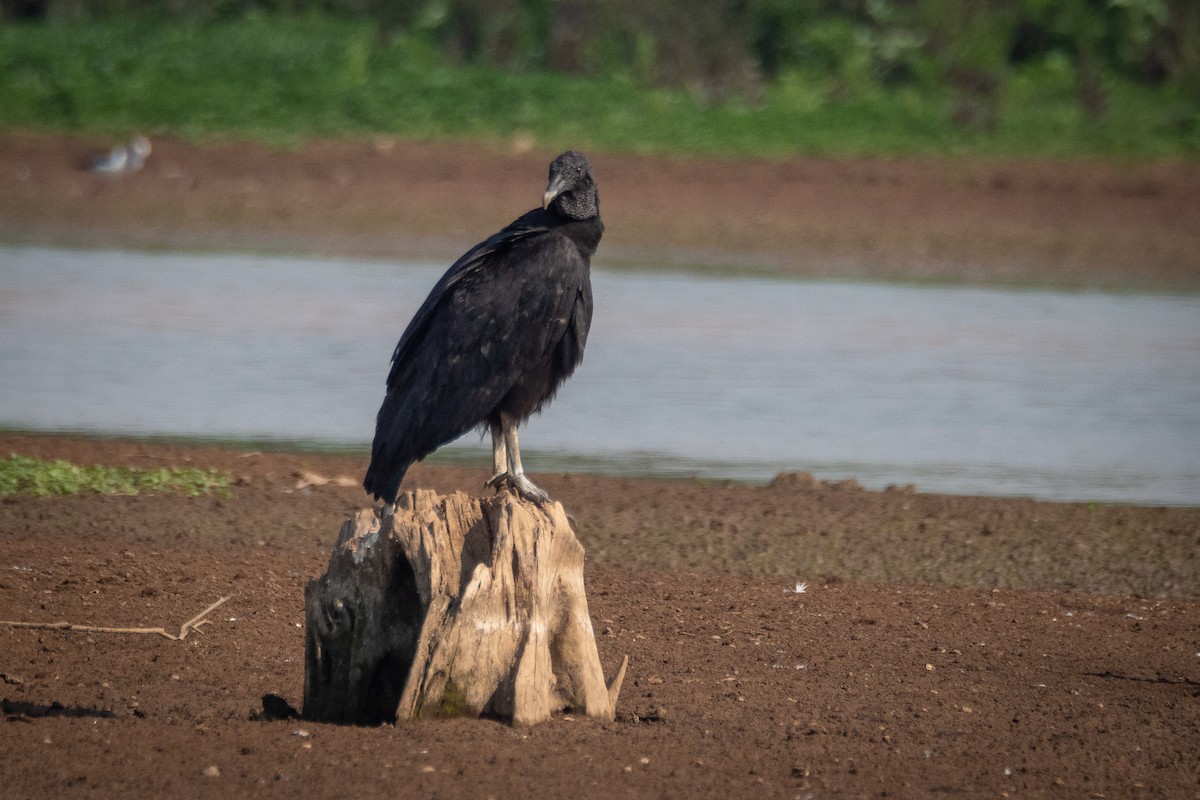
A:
<point x="509" y="449"/>
<point x="516" y="475"/>
<point x="499" y="458"/>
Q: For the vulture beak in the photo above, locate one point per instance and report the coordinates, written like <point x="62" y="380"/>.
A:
<point x="556" y="187"/>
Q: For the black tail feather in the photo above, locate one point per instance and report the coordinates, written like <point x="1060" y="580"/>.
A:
<point x="383" y="483"/>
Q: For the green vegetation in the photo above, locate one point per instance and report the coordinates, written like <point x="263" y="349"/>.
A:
<point x="1118" y="78"/>
<point x="23" y="475"/>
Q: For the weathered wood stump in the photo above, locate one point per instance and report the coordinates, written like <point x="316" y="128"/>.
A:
<point x="453" y="606"/>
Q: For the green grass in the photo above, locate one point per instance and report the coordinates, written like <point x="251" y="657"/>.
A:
<point x="30" y="476"/>
<point x="286" y="79"/>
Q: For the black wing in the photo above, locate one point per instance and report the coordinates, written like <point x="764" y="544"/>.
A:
<point x="529" y="224"/>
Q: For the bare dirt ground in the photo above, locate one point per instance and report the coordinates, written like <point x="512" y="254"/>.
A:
<point x="1085" y="225"/>
<point x="972" y="647"/>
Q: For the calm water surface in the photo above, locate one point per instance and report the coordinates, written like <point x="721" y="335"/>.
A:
<point x="1054" y="395"/>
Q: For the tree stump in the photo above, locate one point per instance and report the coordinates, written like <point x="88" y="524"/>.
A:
<point x="453" y="606"/>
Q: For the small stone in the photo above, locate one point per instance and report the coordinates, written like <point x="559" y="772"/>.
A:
<point x="212" y="772"/>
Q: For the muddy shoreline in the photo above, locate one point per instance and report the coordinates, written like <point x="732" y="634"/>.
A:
<point x="976" y="646"/>
<point x="1079" y="225"/>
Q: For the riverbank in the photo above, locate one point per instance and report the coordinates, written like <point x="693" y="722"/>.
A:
<point x="1079" y="225"/>
<point x="976" y="645"/>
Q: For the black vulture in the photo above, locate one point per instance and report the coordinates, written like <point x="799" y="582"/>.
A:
<point x="497" y="336"/>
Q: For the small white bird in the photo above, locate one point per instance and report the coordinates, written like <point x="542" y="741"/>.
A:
<point x="124" y="158"/>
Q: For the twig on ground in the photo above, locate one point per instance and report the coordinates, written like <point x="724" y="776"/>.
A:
<point x="305" y="480"/>
<point x="191" y="625"/>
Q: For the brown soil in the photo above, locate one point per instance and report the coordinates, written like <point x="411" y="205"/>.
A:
<point x="976" y="647"/>
<point x="973" y="647"/>
<point x="1090" y="225"/>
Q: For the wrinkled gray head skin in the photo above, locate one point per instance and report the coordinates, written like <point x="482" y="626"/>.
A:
<point x="572" y="189"/>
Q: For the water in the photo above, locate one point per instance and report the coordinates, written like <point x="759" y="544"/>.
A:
<point x="1053" y="395"/>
